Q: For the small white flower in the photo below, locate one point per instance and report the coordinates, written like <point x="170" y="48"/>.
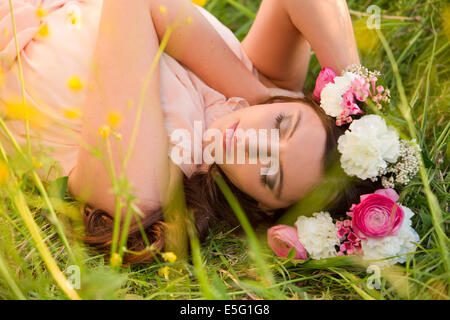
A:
<point x="398" y="245"/>
<point x="368" y="146"/>
<point x="331" y="95"/>
<point x="318" y="235"/>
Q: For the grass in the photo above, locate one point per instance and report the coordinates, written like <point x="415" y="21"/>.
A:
<point x="413" y="55"/>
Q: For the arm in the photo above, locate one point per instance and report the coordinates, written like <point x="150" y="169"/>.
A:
<point x="198" y="46"/>
<point x="279" y="42"/>
<point x="327" y="26"/>
<point x="126" y="46"/>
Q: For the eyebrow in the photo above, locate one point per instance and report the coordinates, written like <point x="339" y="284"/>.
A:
<point x="280" y="183"/>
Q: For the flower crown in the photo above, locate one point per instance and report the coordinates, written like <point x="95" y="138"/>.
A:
<point x="378" y="228"/>
<point x="370" y="148"/>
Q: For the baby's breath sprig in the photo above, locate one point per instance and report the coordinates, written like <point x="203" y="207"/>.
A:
<point x="362" y="71"/>
<point x="407" y="166"/>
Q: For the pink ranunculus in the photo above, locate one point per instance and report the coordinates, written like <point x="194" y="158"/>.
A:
<point x="390" y="193"/>
<point x="378" y="215"/>
<point x="326" y="76"/>
<point x="282" y="239"/>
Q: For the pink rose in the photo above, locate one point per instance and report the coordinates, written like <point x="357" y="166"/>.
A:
<point x="378" y="215"/>
<point x="326" y="76"/>
<point x="282" y="239"/>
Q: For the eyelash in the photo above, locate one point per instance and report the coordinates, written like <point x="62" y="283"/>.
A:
<point x="279" y="118"/>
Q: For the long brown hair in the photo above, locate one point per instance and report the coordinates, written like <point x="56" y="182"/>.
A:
<point x="209" y="205"/>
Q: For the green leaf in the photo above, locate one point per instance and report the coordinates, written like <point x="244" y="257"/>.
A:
<point x="58" y="188"/>
<point x="291" y="253"/>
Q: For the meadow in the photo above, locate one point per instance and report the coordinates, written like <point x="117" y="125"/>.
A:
<point x="39" y="222"/>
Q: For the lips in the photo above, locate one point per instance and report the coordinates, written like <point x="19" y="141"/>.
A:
<point x="228" y="136"/>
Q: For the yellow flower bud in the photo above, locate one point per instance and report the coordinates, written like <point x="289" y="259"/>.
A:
<point x="44" y="31"/>
<point x="41" y="12"/>
<point x="104" y="131"/>
<point x="36" y="163"/>
<point x="164" y="272"/>
<point x="75" y="84"/>
<point x="199" y="2"/>
<point x="169" y="256"/>
<point x="116" y="260"/>
<point x="73" y="113"/>
<point x="114" y="118"/>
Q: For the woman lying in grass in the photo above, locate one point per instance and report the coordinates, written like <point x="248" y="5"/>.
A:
<point x="93" y="58"/>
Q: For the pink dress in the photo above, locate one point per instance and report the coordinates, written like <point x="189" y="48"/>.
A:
<point x="49" y="60"/>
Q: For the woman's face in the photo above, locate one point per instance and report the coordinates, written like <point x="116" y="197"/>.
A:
<point x="294" y="167"/>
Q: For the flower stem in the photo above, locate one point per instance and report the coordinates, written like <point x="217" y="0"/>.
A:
<point x="9" y="280"/>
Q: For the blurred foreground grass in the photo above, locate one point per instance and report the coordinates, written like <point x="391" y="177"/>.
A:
<point x="231" y="267"/>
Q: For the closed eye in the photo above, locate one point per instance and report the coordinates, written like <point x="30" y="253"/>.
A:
<point x="277" y="180"/>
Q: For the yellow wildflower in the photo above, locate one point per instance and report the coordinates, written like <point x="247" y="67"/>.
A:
<point x="44" y="31"/>
<point x="169" y="256"/>
<point x="199" y="2"/>
<point x="18" y="110"/>
<point x="116" y="260"/>
<point x="104" y="131"/>
<point x="73" y="113"/>
<point x="4" y="173"/>
<point x="41" y="12"/>
<point x="75" y="84"/>
<point x="114" y="118"/>
<point x="164" y="272"/>
<point x="37" y="164"/>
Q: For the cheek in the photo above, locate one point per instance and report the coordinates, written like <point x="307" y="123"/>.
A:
<point x="245" y="177"/>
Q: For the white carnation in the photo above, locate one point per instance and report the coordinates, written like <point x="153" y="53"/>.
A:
<point x="399" y="245"/>
<point x="331" y="95"/>
<point x="367" y="147"/>
<point x="318" y="235"/>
